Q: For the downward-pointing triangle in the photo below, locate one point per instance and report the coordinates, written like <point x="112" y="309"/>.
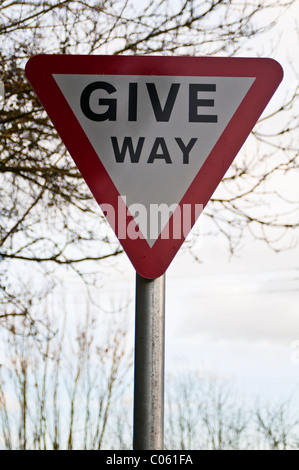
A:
<point x="153" y="134"/>
<point x="159" y="173"/>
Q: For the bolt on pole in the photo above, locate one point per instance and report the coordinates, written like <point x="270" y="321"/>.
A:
<point x="148" y="433"/>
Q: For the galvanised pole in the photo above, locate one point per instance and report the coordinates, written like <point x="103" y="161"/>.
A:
<point x="149" y="364"/>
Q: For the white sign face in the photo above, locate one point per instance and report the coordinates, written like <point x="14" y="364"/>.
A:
<point x="153" y="133"/>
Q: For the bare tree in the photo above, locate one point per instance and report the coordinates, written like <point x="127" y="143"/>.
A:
<point x="48" y="217"/>
<point x="64" y="393"/>
<point x="206" y="412"/>
<point x="203" y="413"/>
<point x="277" y="425"/>
<point x="75" y="396"/>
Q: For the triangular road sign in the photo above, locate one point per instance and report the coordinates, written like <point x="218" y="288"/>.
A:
<point x="153" y="136"/>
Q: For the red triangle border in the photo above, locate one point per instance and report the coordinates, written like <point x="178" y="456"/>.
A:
<point x="153" y="262"/>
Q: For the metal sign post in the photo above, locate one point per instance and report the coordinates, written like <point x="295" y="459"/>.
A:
<point x="149" y="364"/>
